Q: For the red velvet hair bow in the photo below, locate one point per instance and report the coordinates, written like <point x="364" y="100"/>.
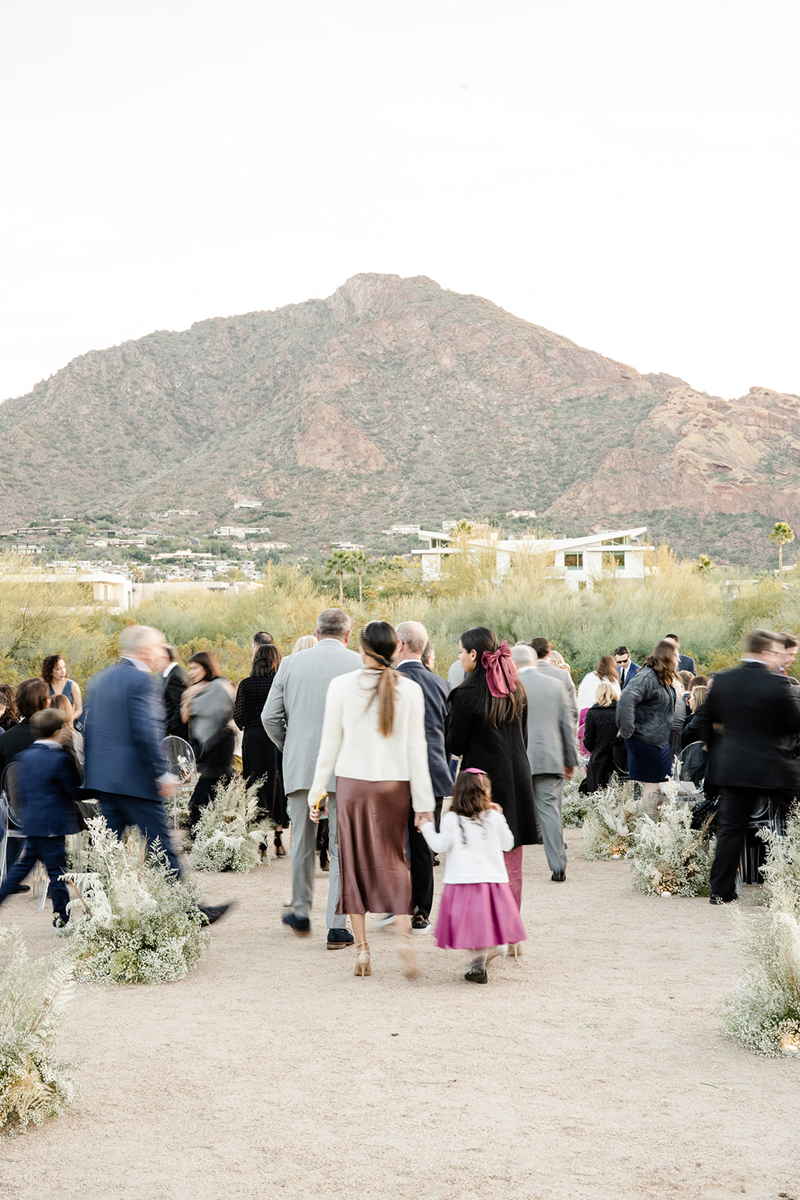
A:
<point x="501" y="674"/>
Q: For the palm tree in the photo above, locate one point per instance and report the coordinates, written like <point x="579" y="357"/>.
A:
<point x="337" y="564"/>
<point x="703" y="563"/>
<point x="781" y="534"/>
<point x="359" y="562"/>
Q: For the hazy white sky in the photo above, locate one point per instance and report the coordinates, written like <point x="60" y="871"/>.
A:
<point x="623" y="173"/>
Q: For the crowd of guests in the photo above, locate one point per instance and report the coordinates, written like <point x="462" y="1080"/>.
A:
<point x="401" y="765"/>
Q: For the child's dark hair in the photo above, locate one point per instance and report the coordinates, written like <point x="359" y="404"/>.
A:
<point x="472" y="794"/>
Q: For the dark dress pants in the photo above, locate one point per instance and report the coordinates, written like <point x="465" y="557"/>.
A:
<point x="420" y="860"/>
<point x="148" y="816"/>
<point x="736" y="807"/>
<point x="52" y="853"/>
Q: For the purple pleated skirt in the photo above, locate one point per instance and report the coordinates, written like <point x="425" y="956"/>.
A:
<point x="474" y="915"/>
<point x="372" y="826"/>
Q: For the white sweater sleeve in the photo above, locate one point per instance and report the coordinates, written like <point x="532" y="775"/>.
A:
<point x="418" y="772"/>
<point x="442" y="841"/>
<point x="332" y="734"/>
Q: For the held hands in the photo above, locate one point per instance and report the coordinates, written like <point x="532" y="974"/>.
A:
<point x="317" y="807"/>
<point x="168" y="790"/>
<point x="569" y="772"/>
<point x="421" y="819"/>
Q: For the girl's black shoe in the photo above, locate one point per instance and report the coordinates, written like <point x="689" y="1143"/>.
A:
<point x="280" y="850"/>
<point x="476" y="975"/>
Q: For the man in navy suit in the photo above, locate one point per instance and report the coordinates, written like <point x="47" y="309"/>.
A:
<point x="412" y="639"/>
<point x="125" y="767"/>
<point x="685" y="663"/>
<point x="45" y="788"/>
<point x="626" y="667"/>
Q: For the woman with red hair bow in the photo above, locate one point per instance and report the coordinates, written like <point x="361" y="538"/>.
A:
<point x="488" y="728"/>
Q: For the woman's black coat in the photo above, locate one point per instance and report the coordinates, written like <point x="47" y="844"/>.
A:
<point x="501" y="753"/>
<point x="600" y="735"/>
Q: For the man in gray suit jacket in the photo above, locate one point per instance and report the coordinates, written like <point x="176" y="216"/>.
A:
<point x="292" y="717"/>
<point x="542" y="649"/>
<point x="552" y="751"/>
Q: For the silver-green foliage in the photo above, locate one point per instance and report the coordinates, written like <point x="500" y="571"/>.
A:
<point x="134" y="922"/>
<point x="763" y="1011"/>
<point x="610" y="822"/>
<point x="229" y="835"/>
<point x="781" y="870"/>
<point x="667" y="855"/>
<point x="575" y="804"/>
<point x="34" y="1084"/>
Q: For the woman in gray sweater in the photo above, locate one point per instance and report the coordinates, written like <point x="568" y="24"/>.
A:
<point x="645" y="713"/>
<point x="207" y="708"/>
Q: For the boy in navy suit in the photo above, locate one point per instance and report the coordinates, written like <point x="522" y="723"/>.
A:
<point x="45" y="788"/>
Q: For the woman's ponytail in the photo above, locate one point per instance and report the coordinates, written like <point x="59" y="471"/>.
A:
<point x="379" y="641"/>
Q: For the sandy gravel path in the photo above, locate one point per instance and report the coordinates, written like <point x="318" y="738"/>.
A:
<point x="593" y="1069"/>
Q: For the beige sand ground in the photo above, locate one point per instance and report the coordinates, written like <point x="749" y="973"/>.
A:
<point x="593" y="1069"/>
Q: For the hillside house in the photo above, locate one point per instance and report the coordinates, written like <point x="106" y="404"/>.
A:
<point x="580" y="562"/>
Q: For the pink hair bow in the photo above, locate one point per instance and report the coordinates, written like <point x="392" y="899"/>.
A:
<point x="501" y="674"/>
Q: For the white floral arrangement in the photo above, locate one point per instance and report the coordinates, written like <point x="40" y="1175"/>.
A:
<point x="134" y="922"/>
<point x="610" y="822"/>
<point x="230" y="836"/>
<point x="763" y="1011"/>
<point x="781" y="871"/>
<point x="669" y="858"/>
<point x="575" y="805"/>
<point x="34" y="1083"/>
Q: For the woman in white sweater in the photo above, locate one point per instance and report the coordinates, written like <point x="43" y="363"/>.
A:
<point x="373" y="740"/>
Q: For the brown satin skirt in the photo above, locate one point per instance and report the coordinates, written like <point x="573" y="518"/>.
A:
<point x="372" y="824"/>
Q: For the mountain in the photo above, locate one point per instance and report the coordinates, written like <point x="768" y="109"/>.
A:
<point x="394" y="400"/>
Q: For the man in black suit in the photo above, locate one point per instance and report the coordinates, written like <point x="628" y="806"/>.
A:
<point x="685" y="661"/>
<point x="758" y="711"/>
<point x="174" y="682"/>
<point x="412" y="638"/>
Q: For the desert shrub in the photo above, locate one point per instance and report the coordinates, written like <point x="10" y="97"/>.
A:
<point x="667" y="855"/>
<point x="229" y="835"/>
<point x="763" y="1011"/>
<point x="610" y="822"/>
<point x="134" y="922"/>
<point x="34" y="1084"/>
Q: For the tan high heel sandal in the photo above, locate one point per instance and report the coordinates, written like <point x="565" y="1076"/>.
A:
<point x="363" y="966"/>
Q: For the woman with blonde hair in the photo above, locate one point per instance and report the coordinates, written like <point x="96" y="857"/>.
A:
<point x="645" y="712"/>
<point x="606" y="669"/>
<point x="373" y="740"/>
<point x="306" y="642"/>
<point x="601" y="736"/>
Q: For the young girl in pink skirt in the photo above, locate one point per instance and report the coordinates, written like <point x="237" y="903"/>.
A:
<point x="477" y="911"/>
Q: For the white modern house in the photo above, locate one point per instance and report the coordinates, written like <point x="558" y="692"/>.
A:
<point x="580" y="562"/>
